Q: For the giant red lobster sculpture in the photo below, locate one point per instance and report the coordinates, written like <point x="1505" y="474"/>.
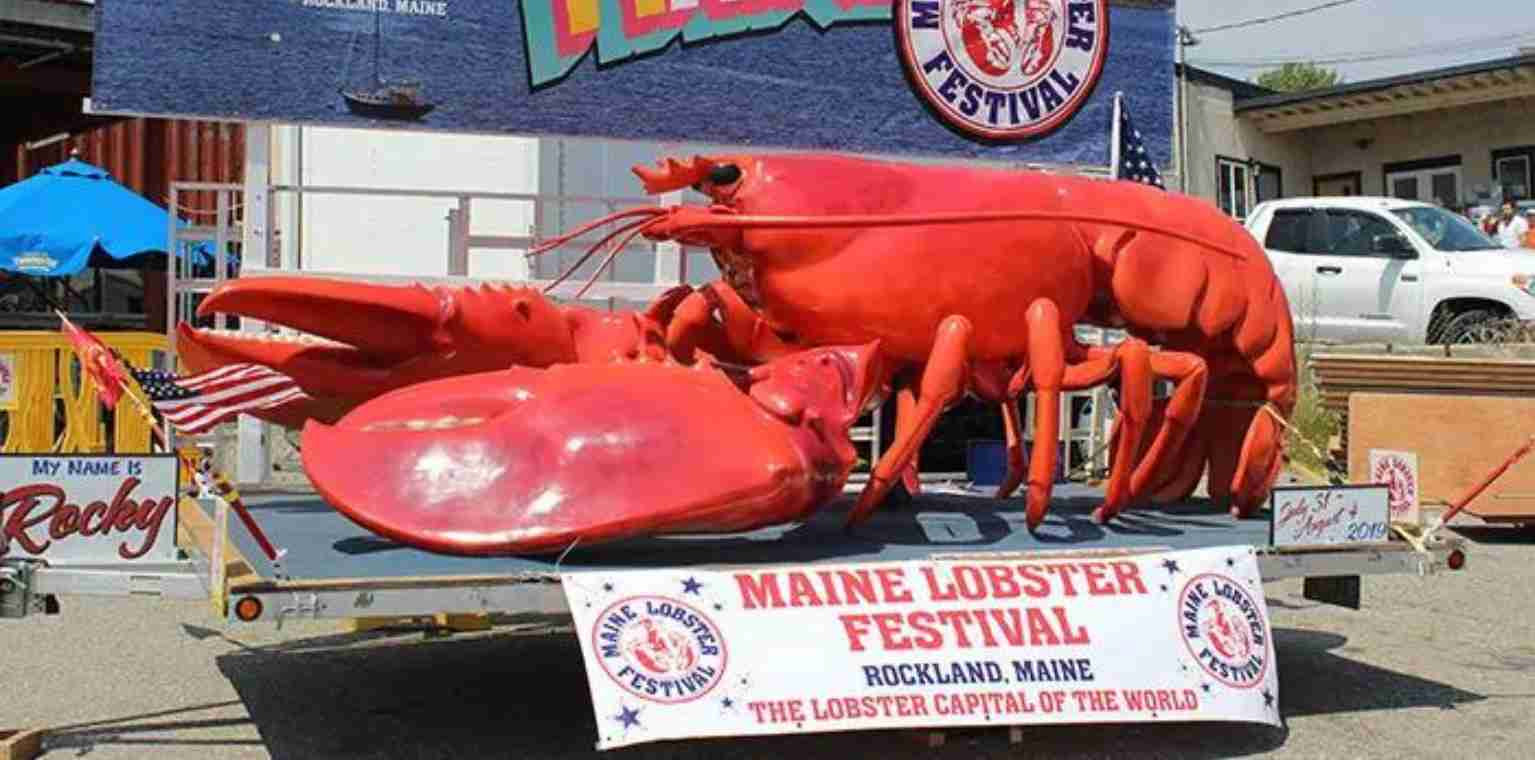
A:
<point x="960" y="280"/>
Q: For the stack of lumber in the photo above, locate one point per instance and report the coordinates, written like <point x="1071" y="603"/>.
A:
<point x="1503" y="370"/>
<point x="1459" y="409"/>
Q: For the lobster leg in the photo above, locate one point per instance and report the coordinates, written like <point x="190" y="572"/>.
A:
<point x="1161" y="465"/>
<point x="1051" y="376"/>
<point x="692" y="327"/>
<point x="942" y="381"/>
<point x="905" y="417"/>
<point x="1135" y="382"/>
<point x="1012" y="425"/>
<point x="1259" y="463"/>
<point x="1047" y="365"/>
<point x="738" y="333"/>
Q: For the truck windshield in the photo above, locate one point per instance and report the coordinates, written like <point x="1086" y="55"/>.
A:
<point x="1445" y="231"/>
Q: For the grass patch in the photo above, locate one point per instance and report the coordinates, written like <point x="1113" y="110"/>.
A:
<point x="1311" y="425"/>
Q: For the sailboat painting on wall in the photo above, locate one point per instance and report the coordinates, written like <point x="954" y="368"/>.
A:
<point x="383" y="98"/>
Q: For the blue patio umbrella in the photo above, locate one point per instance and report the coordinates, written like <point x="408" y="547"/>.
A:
<point x="73" y="215"/>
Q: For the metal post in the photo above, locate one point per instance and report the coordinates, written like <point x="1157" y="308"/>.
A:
<point x="171" y="315"/>
<point x="671" y="261"/>
<point x="252" y="458"/>
<point x="171" y="241"/>
<point x="455" y="225"/>
<point x="458" y="254"/>
<point x="874" y="439"/>
<point x="1185" y="39"/>
<point x="222" y="219"/>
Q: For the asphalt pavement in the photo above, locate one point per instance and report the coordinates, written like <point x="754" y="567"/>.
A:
<point x="1431" y="667"/>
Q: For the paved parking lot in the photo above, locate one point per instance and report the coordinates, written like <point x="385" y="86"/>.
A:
<point x="1440" y="667"/>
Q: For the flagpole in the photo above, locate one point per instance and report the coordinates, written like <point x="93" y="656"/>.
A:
<point x="238" y="504"/>
<point x="1115" y="136"/>
<point x="143" y="408"/>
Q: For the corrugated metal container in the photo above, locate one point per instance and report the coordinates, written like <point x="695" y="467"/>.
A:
<point x="147" y="155"/>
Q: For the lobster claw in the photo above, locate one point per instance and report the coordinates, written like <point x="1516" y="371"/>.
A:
<point x="530" y="461"/>
<point x="533" y="460"/>
<point x="360" y="340"/>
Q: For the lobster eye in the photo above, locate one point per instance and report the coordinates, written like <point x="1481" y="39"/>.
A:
<point x="724" y="174"/>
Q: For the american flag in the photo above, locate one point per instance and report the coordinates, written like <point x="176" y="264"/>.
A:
<point x="1131" y="161"/>
<point x="196" y="403"/>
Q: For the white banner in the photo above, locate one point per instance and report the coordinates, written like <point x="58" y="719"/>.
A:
<point x="682" y="653"/>
<point x="88" y="509"/>
<point x="1318" y="515"/>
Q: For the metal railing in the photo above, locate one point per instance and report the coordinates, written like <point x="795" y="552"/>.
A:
<point x="50" y="405"/>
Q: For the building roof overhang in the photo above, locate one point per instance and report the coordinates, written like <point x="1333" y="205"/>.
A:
<point x="1485" y="82"/>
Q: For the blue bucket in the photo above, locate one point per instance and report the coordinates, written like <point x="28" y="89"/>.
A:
<point x="986" y="461"/>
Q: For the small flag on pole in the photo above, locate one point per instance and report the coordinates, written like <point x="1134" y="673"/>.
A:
<point x="1131" y="161"/>
<point x="196" y="403"/>
<point x="98" y="361"/>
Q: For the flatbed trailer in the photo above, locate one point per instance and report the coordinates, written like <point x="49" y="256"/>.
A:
<point x="335" y="569"/>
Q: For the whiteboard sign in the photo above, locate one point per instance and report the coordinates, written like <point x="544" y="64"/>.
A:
<point x="88" y="509"/>
<point x="1313" y="515"/>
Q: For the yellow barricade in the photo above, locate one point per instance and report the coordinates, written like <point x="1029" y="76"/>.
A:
<point x="52" y="407"/>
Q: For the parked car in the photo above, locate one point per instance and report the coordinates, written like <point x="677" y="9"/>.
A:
<point x="1363" y="269"/>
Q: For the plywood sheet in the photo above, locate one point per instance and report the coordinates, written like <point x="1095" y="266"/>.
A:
<point x="1458" y="440"/>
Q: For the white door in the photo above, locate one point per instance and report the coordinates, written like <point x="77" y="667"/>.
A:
<point x="1427" y="185"/>
<point x="1288" y="244"/>
<point x="1340" y="287"/>
<point x="1513" y="173"/>
<point x="1364" y="293"/>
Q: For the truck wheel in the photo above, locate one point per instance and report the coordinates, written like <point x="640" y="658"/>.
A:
<point x="1474" y="326"/>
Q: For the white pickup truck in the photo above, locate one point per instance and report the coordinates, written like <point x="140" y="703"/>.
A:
<point x="1363" y="269"/>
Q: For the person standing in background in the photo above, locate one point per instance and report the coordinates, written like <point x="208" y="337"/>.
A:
<point x="1511" y="227"/>
<point x="1529" y="237"/>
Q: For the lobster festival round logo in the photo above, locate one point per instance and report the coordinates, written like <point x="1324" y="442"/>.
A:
<point x="1223" y="628"/>
<point x="1401" y="483"/>
<point x="1004" y="69"/>
<point x="659" y="649"/>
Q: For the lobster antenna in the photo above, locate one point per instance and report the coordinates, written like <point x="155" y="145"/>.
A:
<point x="621" y="229"/>
<point x="634" y="232"/>
<point x="556" y="242"/>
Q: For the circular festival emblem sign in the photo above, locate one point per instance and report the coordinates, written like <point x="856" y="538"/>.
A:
<point x="1401" y="485"/>
<point x="1223" y="628"/>
<point x="659" y="649"/>
<point x="1004" y="69"/>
